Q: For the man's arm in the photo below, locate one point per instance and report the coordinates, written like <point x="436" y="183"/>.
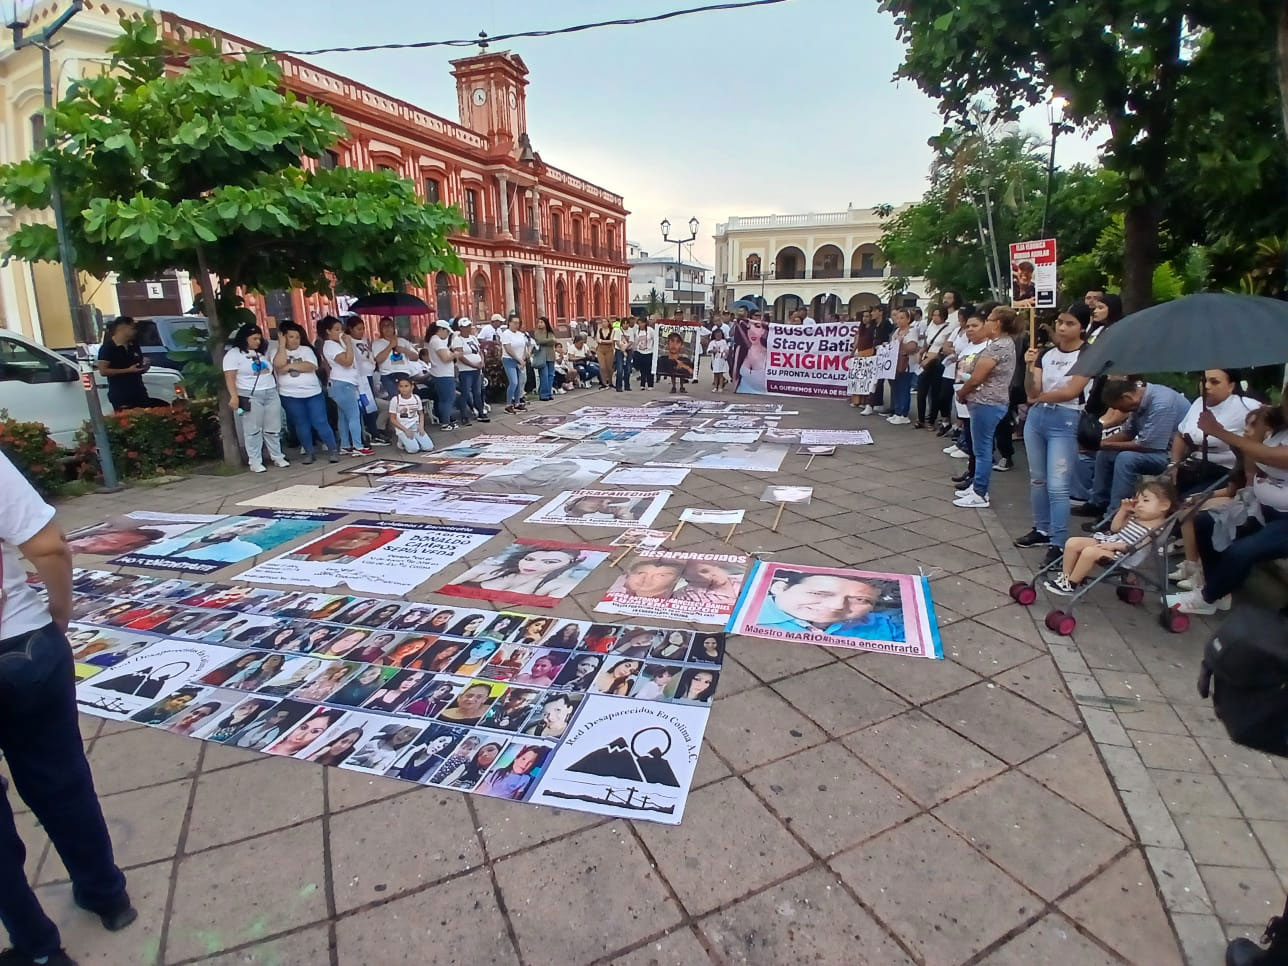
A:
<point x="52" y="557"/>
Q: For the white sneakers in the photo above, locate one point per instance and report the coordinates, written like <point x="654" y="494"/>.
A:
<point x="957" y="454"/>
<point x="1186" y="570"/>
<point x="258" y="468"/>
<point x="866" y="411"/>
<point x="971" y="500"/>
<point x="282" y="463"/>
<point x="898" y="420"/>
<point x="1192" y="602"/>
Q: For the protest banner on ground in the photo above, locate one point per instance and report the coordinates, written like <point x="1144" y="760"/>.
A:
<point x="534" y="573"/>
<point x="451" y="472"/>
<point x="773" y="357"/>
<point x="721" y="456"/>
<point x="678" y="351"/>
<point x="708" y="434"/>
<point x="543" y="473"/>
<point x="448" y="503"/>
<point x="380" y="468"/>
<point x="372" y="556"/>
<point x="618" y="509"/>
<point x="678" y="585"/>
<point x="629" y="451"/>
<point x="133" y="531"/>
<point x="152" y="674"/>
<point x="891" y="613"/>
<point x="229" y="540"/>
<point x="642" y="538"/>
<point x="820" y="437"/>
<point x="647" y="476"/>
<point x="787" y="494"/>
<point x="1034" y="281"/>
<point x="718" y="517"/>
<point x="500" y="447"/>
<point x="302" y="497"/>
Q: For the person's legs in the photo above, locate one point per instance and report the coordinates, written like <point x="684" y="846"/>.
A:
<point x="315" y="407"/>
<point x="297" y="414"/>
<point x="253" y="429"/>
<point x="345" y="397"/>
<point x="901" y="396"/>
<point x="511" y="381"/>
<point x="1103" y="478"/>
<point x="1086" y="562"/>
<point x="621" y="370"/>
<point x="40" y="739"/>
<point x="1061" y="458"/>
<point x="1084" y="471"/>
<point x="406" y="441"/>
<point x="368" y="417"/>
<point x="1225" y="572"/>
<point x="271" y="422"/>
<point x="1035" y="445"/>
<point x="1129" y="467"/>
<point x="444" y="399"/>
<point x="926" y="379"/>
<point x="547" y="379"/>
<point x="389" y="383"/>
<point x="605" y="353"/>
<point x="424" y="442"/>
<point x="984" y="418"/>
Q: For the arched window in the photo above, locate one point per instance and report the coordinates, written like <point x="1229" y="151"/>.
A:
<point x="581" y="300"/>
<point x="443" y="295"/>
<point x="753" y="267"/>
<point x="599" y="298"/>
<point x="480" y="296"/>
<point x="561" y="299"/>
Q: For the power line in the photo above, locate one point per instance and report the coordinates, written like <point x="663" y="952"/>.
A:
<point x="484" y="39"/>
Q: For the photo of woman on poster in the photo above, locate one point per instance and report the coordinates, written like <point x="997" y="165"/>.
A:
<point x="697" y="685"/>
<point x="554" y="717"/>
<point x="407" y="652"/>
<point x="192" y="719"/>
<point x="637" y="641"/>
<point x="412" y="618"/>
<point x="535" y="629"/>
<point x="654" y="682"/>
<point x="526" y="574"/>
<point x="424" y="758"/>
<point x="468" y="626"/>
<point x="465" y="777"/>
<point x="322" y="686"/>
<point x="515" y="772"/>
<point x="565" y="637"/>
<point x="543" y="670"/>
<point x="506" y="663"/>
<point x="503" y="627"/>
<point x="600" y="638"/>
<point x="579" y="673"/>
<point x="439" y="655"/>
<point x="750" y="356"/>
<point x="363" y="686"/>
<point x="435" y="698"/>
<point x="708" y="648"/>
<point x="286" y="682"/>
<point x="470" y="705"/>
<point x="239" y="717"/>
<point x="358" y="610"/>
<point x="309" y="639"/>
<point x="471" y="662"/>
<point x="509" y="713"/>
<point x="618" y="678"/>
<point x="271" y="726"/>
<point x="350" y="643"/>
<point x="258" y="674"/>
<point x="381" y="751"/>
<point x="673" y="647"/>
<point x="397" y="691"/>
<point x="379" y="617"/>
<point x="338" y="748"/>
<point x="305" y="733"/>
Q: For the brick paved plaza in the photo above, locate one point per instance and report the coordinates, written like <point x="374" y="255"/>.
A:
<point x="1028" y="800"/>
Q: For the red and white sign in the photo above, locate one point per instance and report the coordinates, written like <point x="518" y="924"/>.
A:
<point x="1033" y="274"/>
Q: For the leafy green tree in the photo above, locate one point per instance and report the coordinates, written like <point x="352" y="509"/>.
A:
<point x="204" y="168"/>
<point x="1143" y="68"/>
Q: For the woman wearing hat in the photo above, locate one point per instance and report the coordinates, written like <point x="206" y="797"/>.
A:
<point x="469" y="367"/>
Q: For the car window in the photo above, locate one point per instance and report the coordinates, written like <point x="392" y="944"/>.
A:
<point x="146" y="334"/>
<point x="20" y="363"/>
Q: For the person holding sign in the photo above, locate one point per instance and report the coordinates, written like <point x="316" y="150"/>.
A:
<point x="750" y="355"/>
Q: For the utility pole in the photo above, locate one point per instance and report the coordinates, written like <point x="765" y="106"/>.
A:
<point x="80" y="321"/>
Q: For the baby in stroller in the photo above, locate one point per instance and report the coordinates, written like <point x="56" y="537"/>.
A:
<point x="1132" y="537"/>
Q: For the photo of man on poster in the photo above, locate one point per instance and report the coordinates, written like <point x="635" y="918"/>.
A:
<point x="834" y="604"/>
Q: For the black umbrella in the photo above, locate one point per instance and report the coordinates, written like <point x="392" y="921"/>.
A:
<point x="750" y="303"/>
<point x="1205" y="331"/>
<point x="390" y="303"/>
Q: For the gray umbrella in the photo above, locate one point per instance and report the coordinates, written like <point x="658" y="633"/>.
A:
<point x="1205" y="331"/>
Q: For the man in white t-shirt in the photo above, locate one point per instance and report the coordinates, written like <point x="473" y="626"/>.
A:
<point x="490" y="331"/>
<point x="40" y="733"/>
<point x="442" y="375"/>
<point x="391" y="354"/>
<point x="469" y="368"/>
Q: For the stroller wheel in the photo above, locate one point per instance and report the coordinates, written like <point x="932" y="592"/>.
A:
<point x="1023" y="593"/>
<point x="1131" y="595"/>
<point x="1175" y="621"/>
<point x="1066" y="626"/>
<point x="1052" y="620"/>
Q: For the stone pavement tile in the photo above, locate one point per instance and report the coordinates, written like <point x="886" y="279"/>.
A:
<point x="983" y="649"/>
<point x="770" y="660"/>
<point x="942" y="559"/>
<point x="1178" y="881"/>
<point x="1156" y="716"/>
<point x="141" y="757"/>
<point x="1243" y="895"/>
<point x="992" y="574"/>
<point x="754" y="849"/>
<point x="601" y="869"/>
<point x="966" y="596"/>
<point x="304" y="946"/>
<point x="90" y="944"/>
<point x="977" y="542"/>
<point x="1014" y="621"/>
<point x="1153" y="822"/>
<point x="851" y="551"/>
<point x="680" y="948"/>
<point x="1073" y="771"/>
<point x="758" y="726"/>
<point x="710" y="767"/>
<point x="219" y="756"/>
<point x="829" y="799"/>
<point x="347" y="789"/>
<point x="1235" y="761"/>
<point x="914" y="680"/>
<point x="899" y="539"/>
<point x="374" y="857"/>
<point x="456" y="923"/>
<point x="922" y="757"/>
<point x="804" y="922"/>
<point x="735" y="678"/>
<point x="894" y="515"/>
<point x="1221" y="841"/>
<point x="285" y="792"/>
<point x="938" y="895"/>
<point x="1201" y="720"/>
<point x="1189" y="794"/>
<point x="1052" y="939"/>
<point x="1040" y="839"/>
<point x="1121" y="907"/>
<point x="1201" y="937"/>
<point x="1040" y="682"/>
<point x="240" y="893"/>
<point x="144" y="825"/>
<point x="1105" y="727"/>
<point x="508" y="827"/>
<point x="1128" y="684"/>
<point x="839" y="698"/>
<point x="1002" y="723"/>
<point x="941" y="530"/>
<point x="1172" y="752"/>
<point x="1273" y="837"/>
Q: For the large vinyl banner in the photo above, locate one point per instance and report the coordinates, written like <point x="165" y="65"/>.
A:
<point x="778" y="358"/>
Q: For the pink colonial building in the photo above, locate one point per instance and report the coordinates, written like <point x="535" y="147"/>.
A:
<point x="538" y="240"/>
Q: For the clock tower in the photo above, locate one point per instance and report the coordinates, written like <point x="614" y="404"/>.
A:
<point x="491" y="95"/>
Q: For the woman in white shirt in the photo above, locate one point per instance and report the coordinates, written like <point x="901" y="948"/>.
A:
<point x="514" y="357"/>
<point x="365" y="363"/>
<point x="645" y="346"/>
<point x="391" y="354"/>
<point x="469" y="368"/>
<point x="253" y="392"/>
<point x="340" y="353"/>
<point x="301" y="391"/>
<point x="442" y="375"/>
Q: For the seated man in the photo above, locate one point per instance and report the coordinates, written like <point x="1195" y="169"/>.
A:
<point x="1139" y="449"/>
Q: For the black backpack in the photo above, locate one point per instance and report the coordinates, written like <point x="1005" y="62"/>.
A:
<point x="1245" y="670"/>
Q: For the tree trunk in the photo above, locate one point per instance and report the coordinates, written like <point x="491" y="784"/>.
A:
<point x="1283" y="64"/>
<point x="984" y="247"/>
<point x="215" y="343"/>
<point x="992" y="248"/>
<point x="1140" y="256"/>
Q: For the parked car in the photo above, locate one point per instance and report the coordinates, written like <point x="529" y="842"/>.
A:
<point x="156" y="336"/>
<point x="39" y="385"/>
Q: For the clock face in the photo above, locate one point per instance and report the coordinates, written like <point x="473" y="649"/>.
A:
<point x="513" y="100"/>
<point x="480" y="96"/>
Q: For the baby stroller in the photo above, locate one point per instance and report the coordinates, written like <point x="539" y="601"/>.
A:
<point x="1140" y="570"/>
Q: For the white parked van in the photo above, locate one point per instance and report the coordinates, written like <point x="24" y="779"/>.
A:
<point x="40" y="386"/>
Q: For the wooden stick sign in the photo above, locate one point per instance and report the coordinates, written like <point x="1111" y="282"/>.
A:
<point x="718" y="517"/>
<point x="783" y="495"/>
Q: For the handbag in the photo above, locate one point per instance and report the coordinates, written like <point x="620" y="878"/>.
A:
<point x="1090" y="432"/>
<point x="1194" y="474"/>
<point x="1245" y="672"/>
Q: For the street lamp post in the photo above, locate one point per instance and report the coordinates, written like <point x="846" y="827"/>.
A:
<point x="1055" y="116"/>
<point x="679" y="247"/>
<point x="44" y="40"/>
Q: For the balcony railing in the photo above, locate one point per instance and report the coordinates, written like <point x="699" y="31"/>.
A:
<point x="829" y="273"/>
<point x="868" y="273"/>
<point x="480" y="229"/>
<point x="530" y="236"/>
<point x="581" y="248"/>
<point x="561" y="244"/>
<point x="785" y="274"/>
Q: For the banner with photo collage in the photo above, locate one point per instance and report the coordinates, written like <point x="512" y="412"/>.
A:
<point x="598" y="717"/>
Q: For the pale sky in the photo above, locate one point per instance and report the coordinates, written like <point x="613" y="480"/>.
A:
<point x="768" y="110"/>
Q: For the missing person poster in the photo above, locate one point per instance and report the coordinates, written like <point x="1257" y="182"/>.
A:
<point x="701" y="588"/>
<point x="447" y="503"/>
<point x="133" y="531"/>
<point x="537" y="573"/>
<point x="677" y="351"/>
<point x="372" y="556"/>
<point x="891" y="613"/>
<point x="618" y="509"/>
<point x="772" y="357"/>
<point x="1034" y="274"/>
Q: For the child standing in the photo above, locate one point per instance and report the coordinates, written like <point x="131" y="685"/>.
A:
<point x="718" y="349"/>
<point x="407" y="415"/>
<point x="1133" y="528"/>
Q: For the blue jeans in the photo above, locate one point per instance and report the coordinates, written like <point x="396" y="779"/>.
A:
<point x="1084" y="474"/>
<point x="984" y="418"/>
<point x="545" y="380"/>
<point x="621" y="369"/>
<point x="345" y="397"/>
<point x="587" y="371"/>
<point x="1225" y="571"/>
<point x="1118" y="472"/>
<point x="40" y="738"/>
<point x="308" y="416"/>
<point x="446" y="399"/>
<point x="1051" y="442"/>
<point x="901" y="394"/>
<point x="514" y="381"/>
<point x="472" y="390"/>
<point x="389" y="382"/>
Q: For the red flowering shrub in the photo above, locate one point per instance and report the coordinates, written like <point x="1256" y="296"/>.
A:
<point x="37" y="457"/>
<point x="153" y="442"/>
